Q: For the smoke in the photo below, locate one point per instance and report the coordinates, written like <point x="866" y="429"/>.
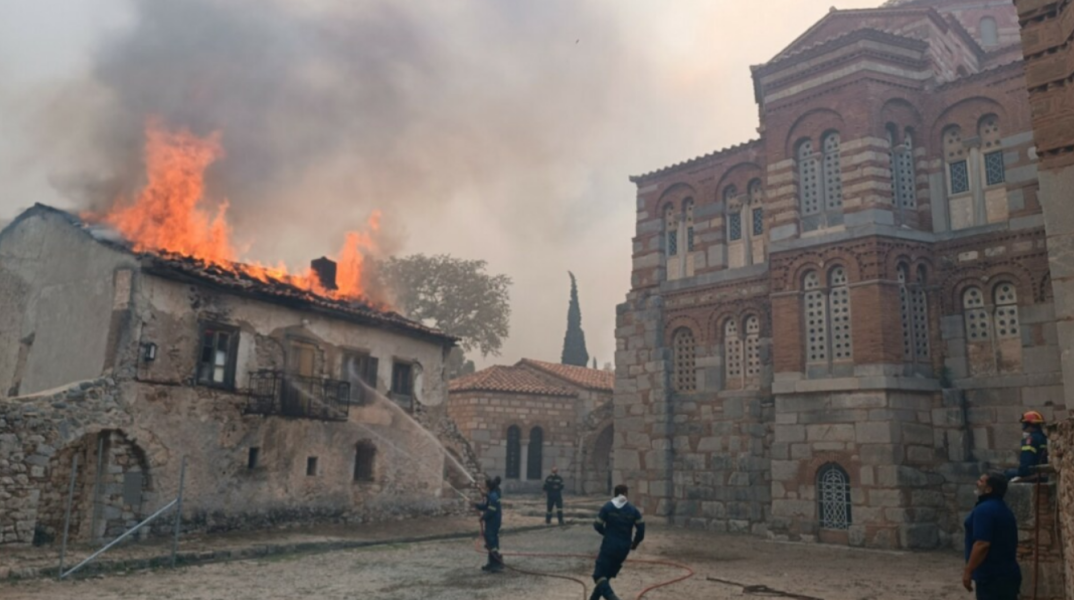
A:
<point x="329" y="112"/>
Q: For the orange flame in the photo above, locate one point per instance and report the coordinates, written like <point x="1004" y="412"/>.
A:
<point x="169" y="216"/>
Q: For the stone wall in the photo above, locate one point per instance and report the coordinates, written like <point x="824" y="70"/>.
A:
<point x="1040" y="552"/>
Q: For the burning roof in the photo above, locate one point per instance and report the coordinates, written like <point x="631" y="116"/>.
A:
<point x="246" y="280"/>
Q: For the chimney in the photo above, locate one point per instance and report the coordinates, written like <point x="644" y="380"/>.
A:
<point x="325" y="269"/>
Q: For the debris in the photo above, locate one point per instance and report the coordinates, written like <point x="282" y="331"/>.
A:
<point x="763" y="590"/>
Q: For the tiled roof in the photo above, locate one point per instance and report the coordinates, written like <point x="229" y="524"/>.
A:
<point x="277" y="292"/>
<point x="590" y="379"/>
<point x="510" y="380"/>
<point x="693" y="161"/>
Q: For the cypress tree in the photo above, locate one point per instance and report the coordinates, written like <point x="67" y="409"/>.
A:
<point x="574" y="352"/>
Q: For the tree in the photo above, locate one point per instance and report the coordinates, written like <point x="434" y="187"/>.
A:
<point x="574" y="352"/>
<point x="454" y="295"/>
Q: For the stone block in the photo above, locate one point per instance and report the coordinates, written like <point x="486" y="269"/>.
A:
<point x="801" y="451"/>
<point x="790" y="433"/>
<point x="880" y="454"/>
<point x="916" y="434"/>
<point x="876" y="433"/>
<point x="920" y="454"/>
<point x="885" y="498"/>
<point x="785" y="470"/>
<point x="830" y="433"/>
<point x="923" y="536"/>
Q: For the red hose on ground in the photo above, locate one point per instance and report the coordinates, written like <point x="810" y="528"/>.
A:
<point x="663" y="563"/>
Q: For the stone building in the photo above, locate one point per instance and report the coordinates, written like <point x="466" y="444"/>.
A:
<point x="274" y="395"/>
<point x="523" y="419"/>
<point x="832" y="329"/>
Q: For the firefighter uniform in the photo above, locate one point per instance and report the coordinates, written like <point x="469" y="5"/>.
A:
<point x="1034" y="449"/>
<point x="492" y="515"/>
<point x="618" y="521"/>
<point x="553" y="487"/>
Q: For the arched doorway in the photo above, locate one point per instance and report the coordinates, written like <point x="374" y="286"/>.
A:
<point x="599" y="476"/>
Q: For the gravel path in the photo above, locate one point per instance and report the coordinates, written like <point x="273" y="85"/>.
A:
<point x="449" y="571"/>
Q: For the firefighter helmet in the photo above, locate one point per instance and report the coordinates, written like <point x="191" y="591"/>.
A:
<point x="1033" y="417"/>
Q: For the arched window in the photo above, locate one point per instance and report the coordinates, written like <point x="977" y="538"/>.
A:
<point x="732" y="354"/>
<point x="815" y="308"/>
<point x="365" y="460"/>
<point x="833" y="497"/>
<point x="753" y="350"/>
<point x="978" y="328"/>
<point x="684" y="375"/>
<point x="958" y="172"/>
<point x="688" y="215"/>
<point x="756" y="199"/>
<point x="905" y="316"/>
<point x="833" y="172"/>
<point x="839" y="303"/>
<point x="533" y="456"/>
<point x="514" y="452"/>
<point x="992" y="150"/>
<point x="734" y="213"/>
<point x="1006" y="299"/>
<point x="989" y="32"/>
<point x="905" y="180"/>
<point x="920" y="309"/>
<point x="808" y="179"/>
<point x="671" y="231"/>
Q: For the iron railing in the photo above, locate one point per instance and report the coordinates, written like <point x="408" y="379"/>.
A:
<point x="289" y="395"/>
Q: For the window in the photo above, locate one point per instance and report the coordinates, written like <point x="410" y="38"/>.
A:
<point x="920" y="309"/>
<point x="839" y="301"/>
<point x="753" y="347"/>
<point x="311" y="466"/>
<point x="402" y="380"/>
<point x="688" y="213"/>
<point x="808" y="180"/>
<point x="216" y="360"/>
<point x="960" y="177"/>
<point x="833" y="172"/>
<point x="977" y="321"/>
<point x="904" y="316"/>
<point x="514" y="452"/>
<point x="671" y="231"/>
<point x="992" y="147"/>
<point x="815" y="306"/>
<point x="301" y="358"/>
<point x="1006" y="298"/>
<point x="360" y="370"/>
<point x="365" y="458"/>
<point x="252" y="458"/>
<point x="732" y="354"/>
<point x="902" y="172"/>
<point x="735" y="225"/>
<point x="958" y="173"/>
<point x="533" y="456"/>
<point x="833" y="497"/>
<point x="758" y="221"/>
<point x="994" y="171"/>
<point x="684" y="376"/>
<point x="989" y="32"/>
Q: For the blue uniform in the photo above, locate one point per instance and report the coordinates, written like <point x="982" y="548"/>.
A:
<point x="1034" y="452"/>
<point x="492" y="515"/>
<point x="999" y="576"/>
<point x="553" y="486"/>
<point x="623" y="529"/>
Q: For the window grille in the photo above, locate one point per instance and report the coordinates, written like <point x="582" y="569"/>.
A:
<point x="733" y="350"/>
<point x="753" y="347"/>
<point x="736" y="226"/>
<point x="671" y="231"/>
<point x="808" y="179"/>
<point x="833" y="497"/>
<point x="840" y="311"/>
<point x="977" y="321"/>
<point x="960" y="177"/>
<point x="833" y="173"/>
<point x="905" y="181"/>
<point x="365" y="456"/>
<point x="905" y="317"/>
<point x="1006" y="311"/>
<point x="994" y="170"/>
<point x="684" y="375"/>
<point x="758" y="221"/>
<point x="816" y="317"/>
<point x="688" y="209"/>
<point x="920" y="307"/>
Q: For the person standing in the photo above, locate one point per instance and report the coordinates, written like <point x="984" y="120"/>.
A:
<point x="992" y="543"/>
<point x="553" y="488"/>
<point x="1034" y="450"/>
<point x="617" y="522"/>
<point x="492" y="517"/>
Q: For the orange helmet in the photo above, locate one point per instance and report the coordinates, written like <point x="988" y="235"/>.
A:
<point x="1033" y="417"/>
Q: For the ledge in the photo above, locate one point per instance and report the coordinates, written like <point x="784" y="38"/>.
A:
<point x="854" y="384"/>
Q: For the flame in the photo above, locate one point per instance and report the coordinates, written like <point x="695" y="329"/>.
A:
<point x="170" y="216"/>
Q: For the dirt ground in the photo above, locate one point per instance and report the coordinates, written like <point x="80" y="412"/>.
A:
<point x="449" y="570"/>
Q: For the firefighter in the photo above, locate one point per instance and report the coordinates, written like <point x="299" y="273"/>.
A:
<point x="492" y="516"/>
<point x="1034" y="450"/>
<point x="553" y="487"/>
<point x="617" y="522"/>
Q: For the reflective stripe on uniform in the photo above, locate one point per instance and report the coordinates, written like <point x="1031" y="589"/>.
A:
<point x="1029" y="448"/>
<point x="600" y="521"/>
<point x="492" y="508"/>
<point x="601" y="580"/>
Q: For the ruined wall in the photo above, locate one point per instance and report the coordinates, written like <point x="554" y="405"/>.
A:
<point x="484" y="417"/>
<point x="1039" y="549"/>
<point x="1062" y="456"/>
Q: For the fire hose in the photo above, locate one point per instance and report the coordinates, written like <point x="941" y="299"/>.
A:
<point x="663" y="563"/>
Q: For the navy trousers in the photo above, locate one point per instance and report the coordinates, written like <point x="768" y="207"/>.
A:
<point x="999" y="589"/>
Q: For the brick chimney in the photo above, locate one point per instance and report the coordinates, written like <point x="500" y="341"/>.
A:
<point x="325" y="269"/>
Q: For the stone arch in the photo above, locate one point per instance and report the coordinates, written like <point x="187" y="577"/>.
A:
<point x="812" y="125"/>
<point x="900" y="112"/>
<point x="675" y="194"/>
<point x="680" y="321"/>
<point x="739" y="175"/>
<point x="952" y="287"/>
<point x="965" y="114"/>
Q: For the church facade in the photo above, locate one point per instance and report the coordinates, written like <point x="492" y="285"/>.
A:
<point x="832" y="329"/>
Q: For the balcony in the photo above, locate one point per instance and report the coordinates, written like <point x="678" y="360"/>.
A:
<point x="289" y="395"/>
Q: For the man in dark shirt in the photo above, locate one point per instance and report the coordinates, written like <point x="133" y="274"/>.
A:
<point x="992" y="543"/>
<point x="617" y="522"/>
<point x="553" y="487"/>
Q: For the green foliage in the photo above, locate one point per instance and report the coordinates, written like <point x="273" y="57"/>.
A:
<point x="454" y="295"/>
<point x="574" y="352"/>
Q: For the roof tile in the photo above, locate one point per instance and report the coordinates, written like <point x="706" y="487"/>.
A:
<point x="590" y="379"/>
<point x="510" y="380"/>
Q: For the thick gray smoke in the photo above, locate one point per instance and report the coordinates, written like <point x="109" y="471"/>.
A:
<point x="329" y="112"/>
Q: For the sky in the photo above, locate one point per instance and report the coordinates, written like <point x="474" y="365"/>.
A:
<point x="501" y="130"/>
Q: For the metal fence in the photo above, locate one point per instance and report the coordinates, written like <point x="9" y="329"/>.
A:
<point x="290" y="395"/>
